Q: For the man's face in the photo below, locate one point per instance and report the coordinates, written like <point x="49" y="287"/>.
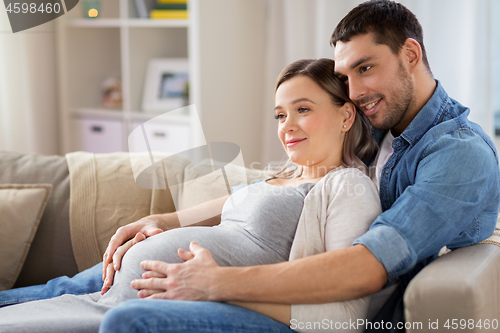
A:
<point x="377" y="81"/>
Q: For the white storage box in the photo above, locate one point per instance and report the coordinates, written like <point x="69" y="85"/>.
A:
<point x="165" y="137"/>
<point x="98" y="135"/>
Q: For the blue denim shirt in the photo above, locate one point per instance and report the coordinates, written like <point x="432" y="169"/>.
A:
<point x="440" y="187"/>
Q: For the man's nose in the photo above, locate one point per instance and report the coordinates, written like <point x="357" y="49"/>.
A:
<point x="356" y="89"/>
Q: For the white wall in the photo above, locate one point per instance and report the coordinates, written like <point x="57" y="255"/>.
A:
<point x="232" y="58"/>
<point x="457" y="37"/>
<point x="28" y="88"/>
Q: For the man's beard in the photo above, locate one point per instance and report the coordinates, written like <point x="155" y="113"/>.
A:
<point x="399" y="106"/>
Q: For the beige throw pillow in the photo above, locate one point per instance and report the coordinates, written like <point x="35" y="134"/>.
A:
<point x="21" y="207"/>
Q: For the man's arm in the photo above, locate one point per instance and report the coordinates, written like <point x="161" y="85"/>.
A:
<point x="327" y="277"/>
<point x="342" y="273"/>
<point x="278" y="312"/>
<point x="449" y="196"/>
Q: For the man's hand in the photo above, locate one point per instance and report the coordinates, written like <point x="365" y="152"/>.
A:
<point x="124" y="238"/>
<point x="186" y="281"/>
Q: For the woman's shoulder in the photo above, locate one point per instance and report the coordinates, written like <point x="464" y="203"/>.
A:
<point x="349" y="177"/>
<point x="343" y="173"/>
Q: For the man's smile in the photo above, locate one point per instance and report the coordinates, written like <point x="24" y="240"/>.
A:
<point x="371" y="107"/>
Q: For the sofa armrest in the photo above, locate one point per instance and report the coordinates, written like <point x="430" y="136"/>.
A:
<point x="463" y="284"/>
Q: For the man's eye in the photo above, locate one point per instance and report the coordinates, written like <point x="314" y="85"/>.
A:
<point x="364" y="68"/>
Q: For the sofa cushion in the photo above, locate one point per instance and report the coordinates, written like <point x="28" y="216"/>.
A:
<point x="51" y="254"/>
<point x="105" y="196"/>
<point x="204" y="182"/>
<point x="21" y="207"/>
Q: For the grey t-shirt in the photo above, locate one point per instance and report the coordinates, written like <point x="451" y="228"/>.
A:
<point x="258" y="224"/>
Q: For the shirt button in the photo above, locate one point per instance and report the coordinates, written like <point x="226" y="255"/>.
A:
<point x="386" y="171"/>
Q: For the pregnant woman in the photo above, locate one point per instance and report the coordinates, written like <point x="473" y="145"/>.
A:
<point x="320" y="197"/>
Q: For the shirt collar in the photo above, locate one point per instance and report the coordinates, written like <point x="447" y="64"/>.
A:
<point x="427" y="117"/>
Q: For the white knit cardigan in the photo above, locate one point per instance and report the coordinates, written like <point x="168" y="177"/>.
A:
<point x="340" y="208"/>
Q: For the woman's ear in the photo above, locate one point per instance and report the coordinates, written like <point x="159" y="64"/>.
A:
<point x="349" y="114"/>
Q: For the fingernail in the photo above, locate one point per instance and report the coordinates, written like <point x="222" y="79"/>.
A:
<point x="106" y="282"/>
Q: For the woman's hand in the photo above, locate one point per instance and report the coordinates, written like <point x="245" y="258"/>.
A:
<point x="127" y="236"/>
<point x="205" y="214"/>
<point x="187" y="281"/>
<point x="115" y="265"/>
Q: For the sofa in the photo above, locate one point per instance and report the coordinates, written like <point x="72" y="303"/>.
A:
<point x="71" y="206"/>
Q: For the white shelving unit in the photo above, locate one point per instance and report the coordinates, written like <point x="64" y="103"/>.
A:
<point x="118" y="44"/>
<point x="224" y="41"/>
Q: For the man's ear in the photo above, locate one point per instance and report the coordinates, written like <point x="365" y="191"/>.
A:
<point x="349" y="114"/>
<point x="412" y="54"/>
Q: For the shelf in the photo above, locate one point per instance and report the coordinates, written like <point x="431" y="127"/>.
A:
<point x="102" y="113"/>
<point x="175" y="118"/>
<point x="117" y="44"/>
<point x="96" y="23"/>
<point x="133" y="23"/>
<point x="138" y="23"/>
<point x="98" y="113"/>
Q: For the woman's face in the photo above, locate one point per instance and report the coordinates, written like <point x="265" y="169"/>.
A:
<point x="310" y="126"/>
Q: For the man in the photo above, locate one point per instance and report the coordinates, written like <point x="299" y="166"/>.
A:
<point x="437" y="173"/>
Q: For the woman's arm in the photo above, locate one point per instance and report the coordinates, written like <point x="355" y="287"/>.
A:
<point x="205" y="214"/>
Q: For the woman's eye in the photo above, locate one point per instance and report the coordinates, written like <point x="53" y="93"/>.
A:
<point x="302" y="110"/>
<point x="279" y="116"/>
<point x="343" y="78"/>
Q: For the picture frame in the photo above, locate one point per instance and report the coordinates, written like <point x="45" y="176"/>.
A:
<point x="166" y="87"/>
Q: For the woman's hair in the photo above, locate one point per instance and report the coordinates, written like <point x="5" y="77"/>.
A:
<point x="359" y="144"/>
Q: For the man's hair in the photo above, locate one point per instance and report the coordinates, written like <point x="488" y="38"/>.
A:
<point x="390" y="22"/>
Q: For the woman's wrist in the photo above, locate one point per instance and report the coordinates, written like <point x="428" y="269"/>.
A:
<point x="167" y="221"/>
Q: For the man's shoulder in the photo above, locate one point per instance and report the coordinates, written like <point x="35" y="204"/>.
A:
<point x="454" y="128"/>
<point x="461" y="137"/>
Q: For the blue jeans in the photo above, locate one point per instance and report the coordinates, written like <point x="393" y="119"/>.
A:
<point x="153" y="315"/>
<point x="86" y="282"/>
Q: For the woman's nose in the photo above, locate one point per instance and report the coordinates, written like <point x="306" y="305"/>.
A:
<point x="290" y="124"/>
